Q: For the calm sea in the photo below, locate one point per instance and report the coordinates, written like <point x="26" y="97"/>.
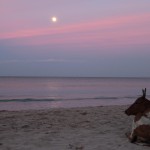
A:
<point x="21" y="93"/>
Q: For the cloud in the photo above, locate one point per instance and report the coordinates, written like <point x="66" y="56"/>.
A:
<point x="116" y="31"/>
<point x="81" y="27"/>
<point x="50" y="60"/>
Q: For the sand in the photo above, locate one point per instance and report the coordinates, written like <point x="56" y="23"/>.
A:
<point x="93" y="128"/>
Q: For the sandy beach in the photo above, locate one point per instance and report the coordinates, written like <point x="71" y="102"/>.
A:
<point x="92" y="128"/>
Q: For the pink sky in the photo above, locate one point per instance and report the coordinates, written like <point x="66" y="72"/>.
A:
<point x="124" y="30"/>
<point x="98" y="27"/>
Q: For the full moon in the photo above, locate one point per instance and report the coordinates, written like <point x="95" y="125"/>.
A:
<point x="54" y="19"/>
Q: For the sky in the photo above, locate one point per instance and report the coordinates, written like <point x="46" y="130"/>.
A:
<point x="99" y="38"/>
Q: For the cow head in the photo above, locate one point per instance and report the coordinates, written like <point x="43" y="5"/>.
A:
<point x="139" y="106"/>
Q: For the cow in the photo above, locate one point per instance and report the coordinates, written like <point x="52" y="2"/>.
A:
<point x="141" y="123"/>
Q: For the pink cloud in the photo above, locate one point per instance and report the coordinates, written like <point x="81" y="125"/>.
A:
<point x="107" y="32"/>
<point x="82" y="27"/>
<point x="107" y="40"/>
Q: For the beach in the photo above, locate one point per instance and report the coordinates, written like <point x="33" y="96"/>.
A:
<point x="91" y="128"/>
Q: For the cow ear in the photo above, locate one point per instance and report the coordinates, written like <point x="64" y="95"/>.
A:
<point x="144" y="92"/>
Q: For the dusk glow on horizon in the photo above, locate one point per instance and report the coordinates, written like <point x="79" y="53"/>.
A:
<point x="75" y="38"/>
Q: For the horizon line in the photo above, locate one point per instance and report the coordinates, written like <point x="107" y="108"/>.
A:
<point x="30" y="76"/>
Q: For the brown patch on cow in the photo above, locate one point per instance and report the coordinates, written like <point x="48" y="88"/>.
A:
<point x="146" y="112"/>
<point x="138" y="117"/>
<point x="143" y="131"/>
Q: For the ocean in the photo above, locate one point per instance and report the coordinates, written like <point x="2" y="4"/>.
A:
<point x="23" y="93"/>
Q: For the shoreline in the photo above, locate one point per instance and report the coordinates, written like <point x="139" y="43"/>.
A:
<point x="63" y="108"/>
<point x="87" y="128"/>
<point x="68" y="104"/>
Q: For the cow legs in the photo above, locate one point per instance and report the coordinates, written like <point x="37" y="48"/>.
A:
<point x="132" y="137"/>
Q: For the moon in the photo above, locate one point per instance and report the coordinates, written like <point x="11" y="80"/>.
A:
<point x="54" y="19"/>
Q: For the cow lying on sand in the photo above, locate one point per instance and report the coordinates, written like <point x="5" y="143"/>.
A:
<point x="141" y="123"/>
